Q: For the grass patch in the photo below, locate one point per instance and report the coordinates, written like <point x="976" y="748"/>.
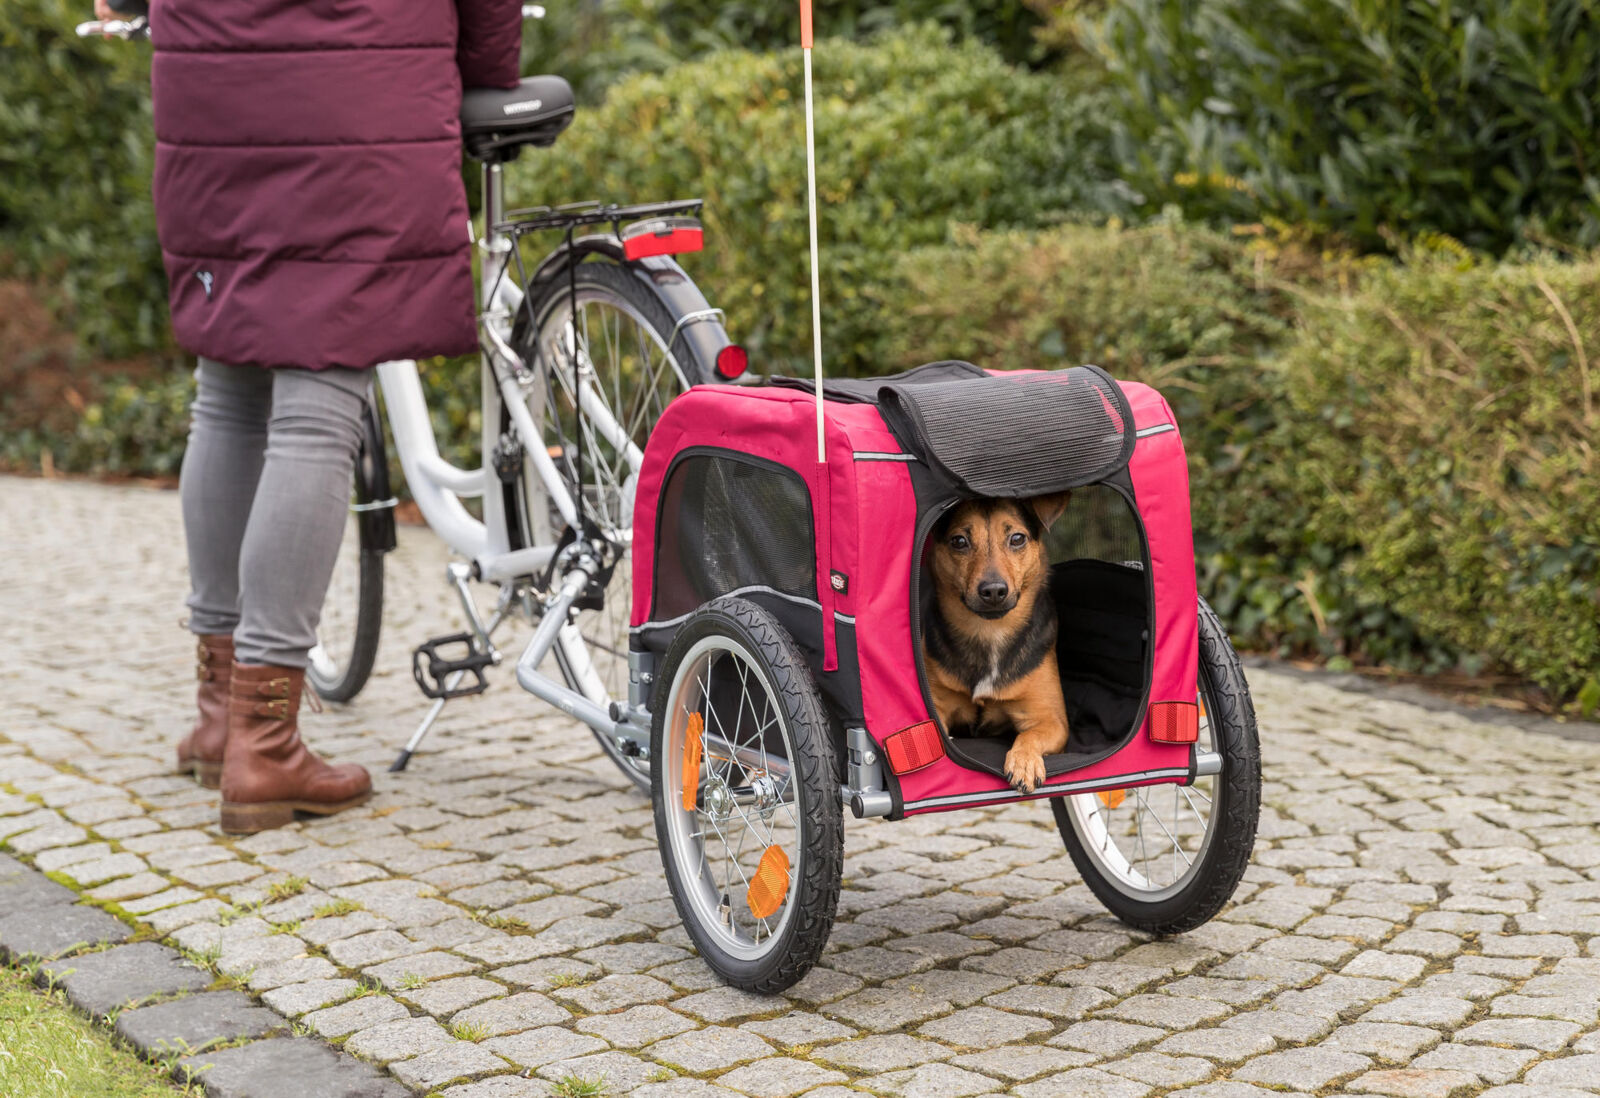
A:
<point x="335" y="908"/>
<point x="469" y="1031"/>
<point x="409" y="981"/>
<point x="576" y="1086"/>
<point x="286" y="888"/>
<point x="50" y="1051"/>
<point x="570" y="979"/>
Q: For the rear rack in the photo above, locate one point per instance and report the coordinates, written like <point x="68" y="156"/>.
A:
<point x="568" y="217"/>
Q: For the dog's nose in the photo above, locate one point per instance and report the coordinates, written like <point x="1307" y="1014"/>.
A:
<point x="993" y="592"/>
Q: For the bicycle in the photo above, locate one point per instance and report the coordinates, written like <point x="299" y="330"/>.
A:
<point x="581" y="351"/>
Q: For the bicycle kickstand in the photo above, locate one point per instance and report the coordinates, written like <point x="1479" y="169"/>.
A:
<point x="481" y="653"/>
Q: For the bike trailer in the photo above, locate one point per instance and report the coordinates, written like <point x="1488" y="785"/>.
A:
<point x="731" y="500"/>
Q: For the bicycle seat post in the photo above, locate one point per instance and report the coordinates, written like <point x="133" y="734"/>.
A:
<point x="495" y="245"/>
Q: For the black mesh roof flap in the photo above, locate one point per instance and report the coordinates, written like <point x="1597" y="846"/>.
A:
<point x="1015" y="435"/>
<point x="865" y="390"/>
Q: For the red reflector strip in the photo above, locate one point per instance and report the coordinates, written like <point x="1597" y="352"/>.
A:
<point x="1174" y="722"/>
<point x="672" y="242"/>
<point x="914" y="748"/>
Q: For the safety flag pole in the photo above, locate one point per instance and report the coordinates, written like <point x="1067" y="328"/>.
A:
<point x="811" y="197"/>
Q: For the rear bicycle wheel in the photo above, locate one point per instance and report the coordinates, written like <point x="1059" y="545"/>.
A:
<point x="351" y="618"/>
<point x="616" y="349"/>
<point x="1165" y="859"/>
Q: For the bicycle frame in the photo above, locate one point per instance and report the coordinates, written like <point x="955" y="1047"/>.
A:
<point x="438" y="487"/>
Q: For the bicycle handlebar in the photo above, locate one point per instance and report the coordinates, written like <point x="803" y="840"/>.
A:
<point x="126" y="29"/>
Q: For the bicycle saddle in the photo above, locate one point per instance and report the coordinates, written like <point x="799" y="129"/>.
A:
<point x="497" y="122"/>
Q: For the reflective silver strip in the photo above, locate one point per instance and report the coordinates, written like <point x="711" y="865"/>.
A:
<point x="1118" y="781"/>
<point x="881" y="455"/>
<point x="375" y="505"/>
<point x="1158" y="429"/>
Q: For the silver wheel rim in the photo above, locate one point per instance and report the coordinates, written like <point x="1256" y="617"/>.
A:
<point x="716" y="848"/>
<point x="341" y="614"/>
<point x="627" y="360"/>
<point x="1151" y="845"/>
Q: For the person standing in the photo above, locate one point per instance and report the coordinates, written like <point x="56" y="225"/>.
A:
<point x="313" y="223"/>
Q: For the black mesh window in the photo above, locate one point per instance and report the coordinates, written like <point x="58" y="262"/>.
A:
<point x="1098" y="524"/>
<point x="1015" y="435"/>
<point x="727" y="523"/>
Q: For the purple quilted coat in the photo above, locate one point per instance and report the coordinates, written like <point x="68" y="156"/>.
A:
<point x="308" y="173"/>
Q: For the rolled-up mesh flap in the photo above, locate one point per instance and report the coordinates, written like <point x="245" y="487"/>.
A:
<point x="865" y="390"/>
<point x="1015" y="435"/>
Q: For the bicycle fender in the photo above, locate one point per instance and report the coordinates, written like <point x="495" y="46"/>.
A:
<point x="668" y="281"/>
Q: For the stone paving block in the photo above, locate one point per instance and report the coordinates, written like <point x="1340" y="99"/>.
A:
<point x="1160" y="1069"/>
<point x="614" y="992"/>
<point x="297" y="970"/>
<point x="459" y="1059"/>
<point x="98" y="983"/>
<point x="1167" y="1011"/>
<point x="523" y="1011"/>
<point x="779" y="1077"/>
<point x="709" y="1049"/>
<point x="54" y="930"/>
<point x="445" y="997"/>
<point x="882" y="1052"/>
<point x="1083" y="1083"/>
<point x="293" y="1000"/>
<point x="196" y="1021"/>
<point x="288" y="1068"/>
<point x="1414" y="1083"/>
<point x="983" y="1027"/>
<point x="24" y="889"/>
<point x="1283" y="1025"/>
<point x="799" y="1028"/>
<point x="500" y="1086"/>
<point x="930" y="1081"/>
<point x="1228" y="1046"/>
<point x="398" y="1040"/>
<point x="1022" y="1062"/>
<point x="725" y="1004"/>
<point x="637" y="1026"/>
<point x="536" y="1047"/>
<point x="889" y="1009"/>
<point x="357" y="1014"/>
<point x="1575" y="1072"/>
<point x="1302" y="1067"/>
<point x="414" y="969"/>
<point x="617" y="1071"/>
<point x="1546" y="1036"/>
<point x="1386" y="1041"/>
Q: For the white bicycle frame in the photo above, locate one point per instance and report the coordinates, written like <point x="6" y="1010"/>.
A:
<point x="438" y="487"/>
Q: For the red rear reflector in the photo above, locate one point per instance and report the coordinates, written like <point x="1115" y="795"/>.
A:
<point x="1174" y="722"/>
<point x="662" y="236"/>
<point x="732" y="361"/>
<point x="914" y="748"/>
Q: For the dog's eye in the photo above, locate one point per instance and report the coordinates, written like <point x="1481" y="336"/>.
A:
<point x="1018" y="540"/>
<point x="960" y="543"/>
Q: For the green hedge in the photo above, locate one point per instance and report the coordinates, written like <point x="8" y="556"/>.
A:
<point x="1449" y="417"/>
<point x="1379" y="119"/>
<point x="914" y="135"/>
<point x="75" y="163"/>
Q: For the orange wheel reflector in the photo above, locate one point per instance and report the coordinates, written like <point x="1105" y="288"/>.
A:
<point x="770" y="884"/>
<point x="693" y="743"/>
<point x="1112" y="798"/>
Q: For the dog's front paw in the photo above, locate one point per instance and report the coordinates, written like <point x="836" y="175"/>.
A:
<point x="1024" y="769"/>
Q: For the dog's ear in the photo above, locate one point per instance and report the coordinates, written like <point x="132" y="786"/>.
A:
<point x="1049" y="508"/>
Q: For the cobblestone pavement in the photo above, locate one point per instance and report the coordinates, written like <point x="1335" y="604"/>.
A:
<point x="1421" y="917"/>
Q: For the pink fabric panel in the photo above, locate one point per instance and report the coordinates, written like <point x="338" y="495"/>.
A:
<point x="1160" y="475"/>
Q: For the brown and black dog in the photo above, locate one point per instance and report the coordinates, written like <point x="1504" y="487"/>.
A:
<point x="990" y="636"/>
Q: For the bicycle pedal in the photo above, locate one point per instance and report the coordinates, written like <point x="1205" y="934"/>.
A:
<point x="432" y="668"/>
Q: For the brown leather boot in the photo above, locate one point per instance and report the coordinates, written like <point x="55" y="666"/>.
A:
<point x="200" y="752"/>
<point x="268" y="774"/>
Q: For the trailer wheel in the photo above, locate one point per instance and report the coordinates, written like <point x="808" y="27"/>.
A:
<point x="1166" y="858"/>
<point x="747" y="806"/>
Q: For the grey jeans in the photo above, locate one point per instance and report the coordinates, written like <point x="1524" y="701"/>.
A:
<point x="266" y="492"/>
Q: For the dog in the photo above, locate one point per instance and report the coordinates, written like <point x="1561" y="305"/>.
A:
<point x="990" y="635"/>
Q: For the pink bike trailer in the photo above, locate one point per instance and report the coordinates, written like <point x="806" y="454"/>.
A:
<point x="731" y="500"/>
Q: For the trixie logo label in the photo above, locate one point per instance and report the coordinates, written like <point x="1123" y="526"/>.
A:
<point x="524" y="107"/>
<point x="205" y="280"/>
